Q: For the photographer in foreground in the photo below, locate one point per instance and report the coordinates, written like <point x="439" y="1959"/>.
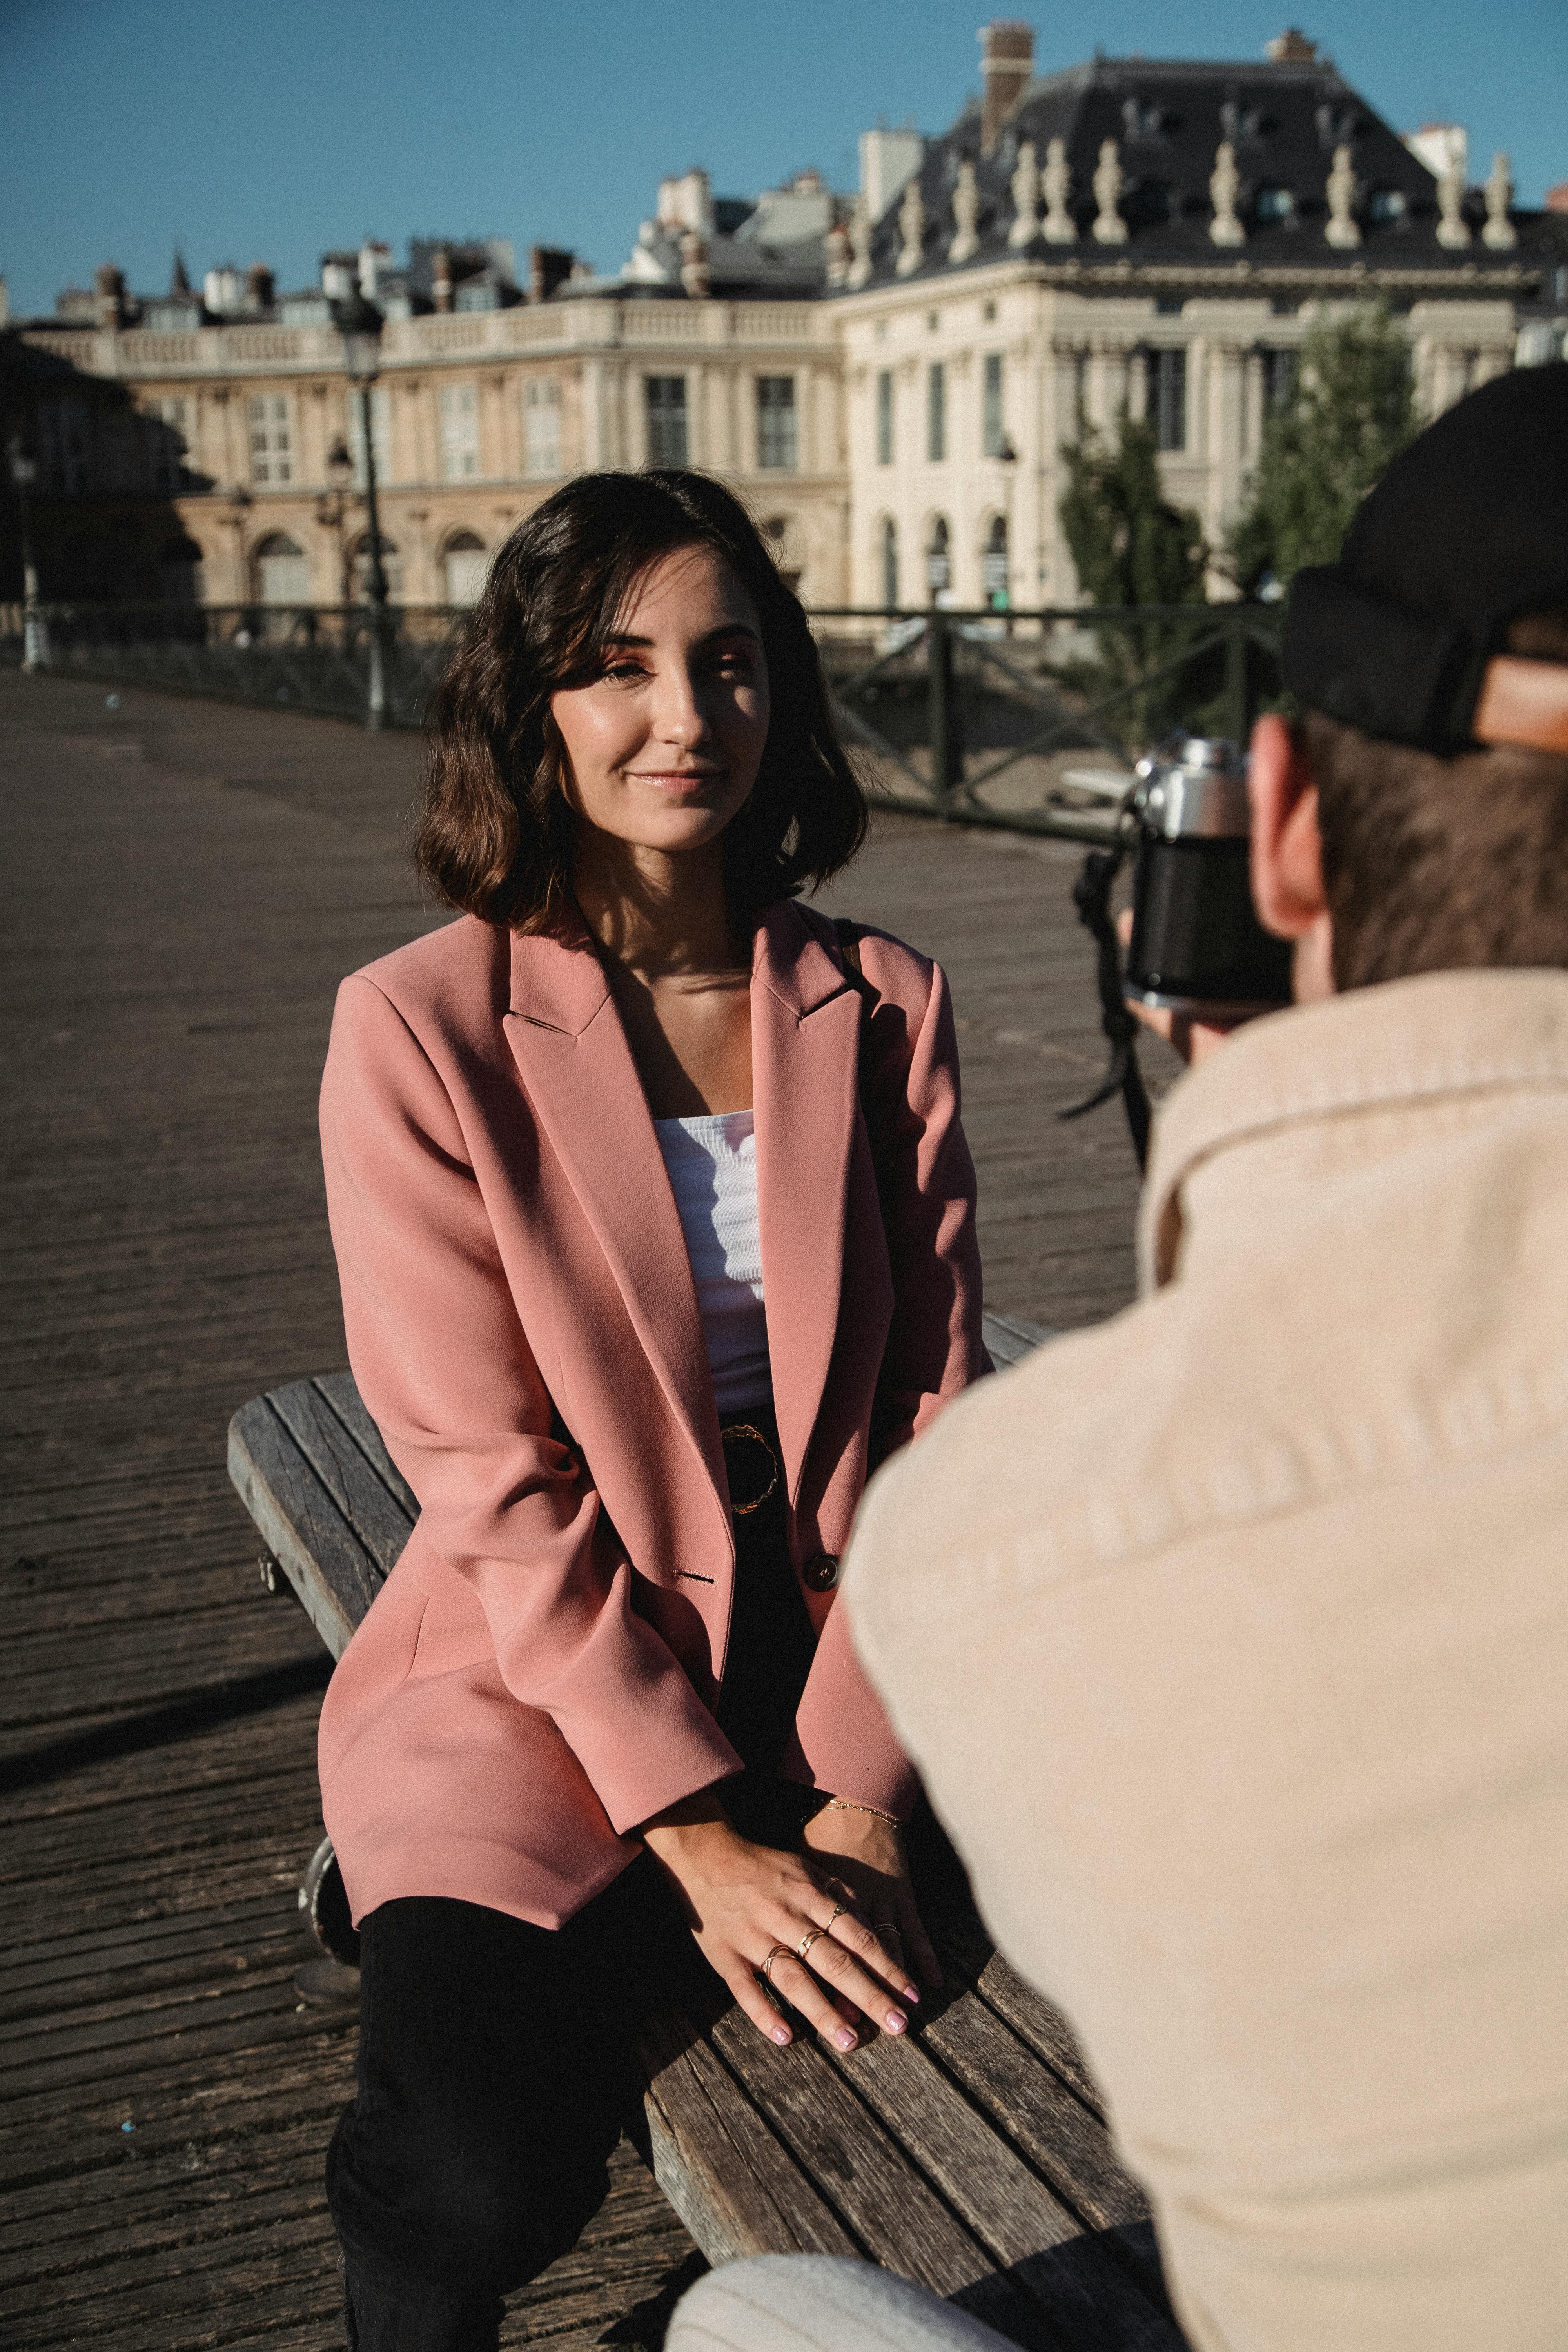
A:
<point x="1231" y="1638"/>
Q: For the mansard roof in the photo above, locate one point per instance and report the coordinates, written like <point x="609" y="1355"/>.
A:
<point x="1167" y="120"/>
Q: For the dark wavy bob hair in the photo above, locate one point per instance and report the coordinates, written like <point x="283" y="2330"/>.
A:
<point x="494" y="831"/>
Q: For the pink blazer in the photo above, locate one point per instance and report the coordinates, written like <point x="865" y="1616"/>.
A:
<point x="539" y="1672"/>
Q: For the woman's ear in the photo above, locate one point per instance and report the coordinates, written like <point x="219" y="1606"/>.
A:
<point x="1288" y="855"/>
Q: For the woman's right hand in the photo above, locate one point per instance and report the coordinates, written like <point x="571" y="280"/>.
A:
<point x="745" y="1902"/>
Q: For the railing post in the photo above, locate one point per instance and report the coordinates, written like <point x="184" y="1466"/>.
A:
<point x="939" y="706"/>
<point x="1238" y="710"/>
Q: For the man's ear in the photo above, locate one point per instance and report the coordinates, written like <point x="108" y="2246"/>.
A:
<point x="1288" y="856"/>
<point x="1286" y="852"/>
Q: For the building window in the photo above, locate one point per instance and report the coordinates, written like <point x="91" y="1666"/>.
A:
<point x="542" y="426"/>
<point x="1168" y="398"/>
<point x="938" y="560"/>
<point x="936" y="412"/>
<point x="380" y="434"/>
<point x="666" y="396"/>
<point x="282" y="567"/>
<point x="995" y="431"/>
<point x="994" y="565"/>
<point x="890" y="554"/>
<point x="466" y="566"/>
<point x="62" y="432"/>
<point x="1280" y="369"/>
<point x="271" y="446"/>
<point x="168" y="423"/>
<point x="1272" y="202"/>
<point x="884" y="416"/>
<point x="459" y="408"/>
<point x="775" y="423"/>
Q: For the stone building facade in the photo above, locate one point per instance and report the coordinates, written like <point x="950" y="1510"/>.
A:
<point x="1158" y="237"/>
<point x="476" y="417"/>
<point x="888" y="381"/>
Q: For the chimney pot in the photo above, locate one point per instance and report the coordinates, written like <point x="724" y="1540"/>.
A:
<point x="1007" y="64"/>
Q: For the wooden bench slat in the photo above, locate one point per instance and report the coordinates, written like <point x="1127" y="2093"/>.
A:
<point x="300" y="1524"/>
<point x="1034" y="2020"/>
<point x="897" y="2217"/>
<point x="1009" y="1336"/>
<point x="377" y="1518"/>
<point x="988" y="2186"/>
<point x="1036" y="2110"/>
<point x="736" y="2188"/>
<point x="343" y="1396"/>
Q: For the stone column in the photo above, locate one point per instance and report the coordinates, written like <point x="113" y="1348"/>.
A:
<point x="592" y="381"/>
<point x="1227" y="435"/>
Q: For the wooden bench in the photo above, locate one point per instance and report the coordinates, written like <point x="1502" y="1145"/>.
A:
<point x="971" y="2155"/>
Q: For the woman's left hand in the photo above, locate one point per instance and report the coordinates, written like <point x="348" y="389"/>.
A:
<point x="868" y="1854"/>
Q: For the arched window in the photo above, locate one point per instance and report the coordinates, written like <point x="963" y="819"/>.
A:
<point x="467" y="567"/>
<point x="939" y="559"/>
<point x="179" y="571"/>
<point x="359" y="573"/>
<point x="890" y="554"/>
<point x="282" y="570"/>
<point x="994" y="565"/>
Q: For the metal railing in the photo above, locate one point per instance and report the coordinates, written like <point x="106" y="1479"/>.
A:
<point x="975" y="717"/>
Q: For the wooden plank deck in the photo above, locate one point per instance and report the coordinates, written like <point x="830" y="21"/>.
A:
<point x="184" y="885"/>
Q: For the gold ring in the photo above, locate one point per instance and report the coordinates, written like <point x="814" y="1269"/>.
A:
<point x="779" y="1952"/>
<point x="807" y="1941"/>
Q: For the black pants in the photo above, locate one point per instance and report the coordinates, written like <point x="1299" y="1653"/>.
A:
<point x="495" y="2061"/>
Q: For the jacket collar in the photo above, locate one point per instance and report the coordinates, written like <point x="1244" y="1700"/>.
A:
<point x="572" y="1053"/>
<point x="1408" y="1042"/>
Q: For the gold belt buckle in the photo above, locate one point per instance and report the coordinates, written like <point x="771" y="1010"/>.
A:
<point x="769" y="1462"/>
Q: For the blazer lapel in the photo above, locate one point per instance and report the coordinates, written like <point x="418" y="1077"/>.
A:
<point x="569" y="1046"/>
<point x="806" y="1020"/>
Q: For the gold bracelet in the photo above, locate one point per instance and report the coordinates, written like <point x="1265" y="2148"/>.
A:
<point x="844" y="1806"/>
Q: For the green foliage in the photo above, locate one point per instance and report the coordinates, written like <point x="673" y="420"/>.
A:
<point x="1131" y="546"/>
<point x="1352" y="412"/>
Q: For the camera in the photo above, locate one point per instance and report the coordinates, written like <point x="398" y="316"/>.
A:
<point x="1197" y="945"/>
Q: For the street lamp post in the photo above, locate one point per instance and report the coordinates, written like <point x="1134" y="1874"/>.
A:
<point x="333" y="507"/>
<point x="24" y="473"/>
<point x="359" y="323"/>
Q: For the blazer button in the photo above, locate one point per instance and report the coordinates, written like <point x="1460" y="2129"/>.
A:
<point x="821" y="1572"/>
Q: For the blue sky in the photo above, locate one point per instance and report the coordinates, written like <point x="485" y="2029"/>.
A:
<point x="270" y="131"/>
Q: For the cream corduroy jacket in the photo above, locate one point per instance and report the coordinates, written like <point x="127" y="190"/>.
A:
<point x="1231" y="1638"/>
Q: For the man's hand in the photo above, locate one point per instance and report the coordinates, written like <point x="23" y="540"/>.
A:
<point x="748" y="1906"/>
<point x="1195" y="1041"/>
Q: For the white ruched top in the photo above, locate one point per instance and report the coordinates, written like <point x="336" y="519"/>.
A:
<point x="712" y="1165"/>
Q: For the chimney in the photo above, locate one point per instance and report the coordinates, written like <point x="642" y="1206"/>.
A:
<point x="259" y="286"/>
<point x="549" y="265"/>
<point x="1008" y="63"/>
<point x="109" y="287"/>
<point x="441" y="281"/>
<point x="1290" y="48"/>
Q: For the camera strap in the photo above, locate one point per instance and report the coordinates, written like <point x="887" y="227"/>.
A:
<point x="1091" y="897"/>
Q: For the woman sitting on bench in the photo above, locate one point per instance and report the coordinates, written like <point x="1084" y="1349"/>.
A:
<point x="656" y="1227"/>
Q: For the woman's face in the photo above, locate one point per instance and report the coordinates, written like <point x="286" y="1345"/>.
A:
<point x="664" y="745"/>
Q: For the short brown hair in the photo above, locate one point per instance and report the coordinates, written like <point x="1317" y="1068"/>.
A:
<point x="494" y="830"/>
<point x="1435" y="865"/>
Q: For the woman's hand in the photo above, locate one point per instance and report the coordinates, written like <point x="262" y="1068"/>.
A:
<point x="868" y="1854"/>
<point x="747" y="1904"/>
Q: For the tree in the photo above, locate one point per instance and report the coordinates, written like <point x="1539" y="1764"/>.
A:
<point x="1131" y="546"/>
<point x="1352" y="413"/>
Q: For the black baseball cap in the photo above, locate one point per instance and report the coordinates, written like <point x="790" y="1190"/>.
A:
<point x="1466" y="531"/>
